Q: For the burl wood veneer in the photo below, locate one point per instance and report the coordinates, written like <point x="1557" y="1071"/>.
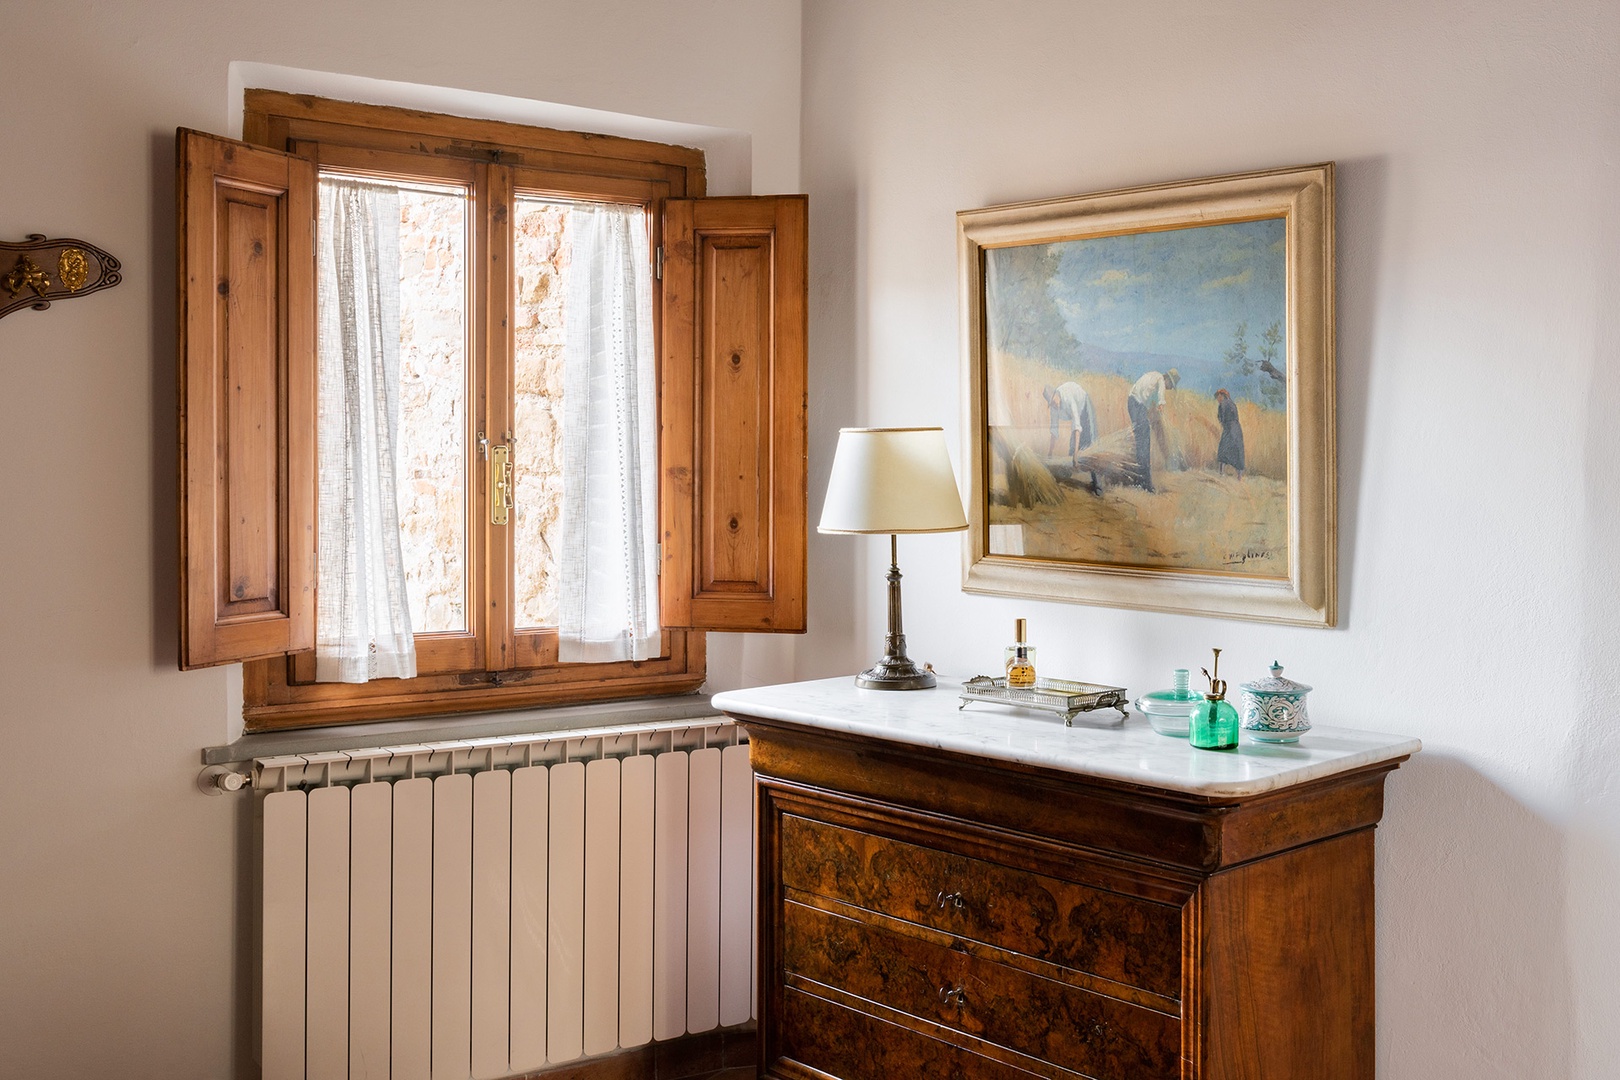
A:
<point x="1008" y="898"/>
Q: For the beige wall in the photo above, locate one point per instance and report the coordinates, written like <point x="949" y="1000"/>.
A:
<point x="1479" y="456"/>
<point x="118" y="881"/>
<point x="1479" y="293"/>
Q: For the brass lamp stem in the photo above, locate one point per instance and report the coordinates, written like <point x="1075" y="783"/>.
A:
<point x="895" y="671"/>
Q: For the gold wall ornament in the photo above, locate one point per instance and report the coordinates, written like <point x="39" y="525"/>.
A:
<point x="72" y="269"/>
<point x="26" y="275"/>
<point x="81" y="269"/>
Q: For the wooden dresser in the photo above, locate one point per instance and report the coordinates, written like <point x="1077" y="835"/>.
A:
<point x="988" y="894"/>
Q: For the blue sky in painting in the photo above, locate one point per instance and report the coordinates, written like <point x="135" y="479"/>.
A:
<point x="1176" y="293"/>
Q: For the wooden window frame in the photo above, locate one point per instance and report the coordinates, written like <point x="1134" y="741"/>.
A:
<point x="730" y="291"/>
<point x="519" y="668"/>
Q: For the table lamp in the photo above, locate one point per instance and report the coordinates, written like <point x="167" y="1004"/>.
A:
<point x="892" y="480"/>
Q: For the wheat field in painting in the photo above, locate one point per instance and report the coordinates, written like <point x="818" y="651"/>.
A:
<point x="1196" y="519"/>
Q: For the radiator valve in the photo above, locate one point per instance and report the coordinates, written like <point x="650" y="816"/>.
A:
<point x="217" y="780"/>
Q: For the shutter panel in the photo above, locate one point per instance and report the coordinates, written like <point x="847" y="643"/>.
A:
<point x="733" y="500"/>
<point x="247" y="401"/>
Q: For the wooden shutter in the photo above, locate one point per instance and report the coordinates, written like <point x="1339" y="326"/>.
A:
<point x="733" y="501"/>
<point x="247" y="401"/>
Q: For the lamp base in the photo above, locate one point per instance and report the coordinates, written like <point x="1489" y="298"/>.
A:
<point x="895" y="673"/>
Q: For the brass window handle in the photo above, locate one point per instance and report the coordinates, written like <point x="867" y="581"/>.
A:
<point x="500" y="485"/>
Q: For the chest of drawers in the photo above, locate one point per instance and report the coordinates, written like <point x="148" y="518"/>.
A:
<point x="927" y="911"/>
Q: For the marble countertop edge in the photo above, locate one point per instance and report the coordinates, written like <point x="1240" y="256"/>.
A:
<point x="1130" y="753"/>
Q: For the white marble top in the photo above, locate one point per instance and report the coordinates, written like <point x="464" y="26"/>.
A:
<point x="1132" y="752"/>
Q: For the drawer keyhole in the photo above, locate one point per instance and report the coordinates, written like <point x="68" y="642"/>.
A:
<point x="949" y="900"/>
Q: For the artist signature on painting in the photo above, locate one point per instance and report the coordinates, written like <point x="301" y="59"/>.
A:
<point x="1239" y="558"/>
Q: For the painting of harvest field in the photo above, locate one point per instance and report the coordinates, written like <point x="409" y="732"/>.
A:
<point x="1136" y="398"/>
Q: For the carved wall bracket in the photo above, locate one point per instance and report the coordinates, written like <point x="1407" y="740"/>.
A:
<point x="37" y="271"/>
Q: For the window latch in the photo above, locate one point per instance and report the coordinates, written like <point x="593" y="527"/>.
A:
<point x="500" y="485"/>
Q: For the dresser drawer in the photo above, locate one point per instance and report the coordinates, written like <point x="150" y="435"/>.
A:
<point x="1117" y="937"/>
<point x="854" y="1046"/>
<point x="1045" y="1019"/>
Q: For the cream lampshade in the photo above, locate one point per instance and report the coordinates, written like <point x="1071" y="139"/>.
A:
<point x="892" y="480"/>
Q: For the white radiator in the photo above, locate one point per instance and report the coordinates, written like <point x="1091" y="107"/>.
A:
<point x="489" y="907"/>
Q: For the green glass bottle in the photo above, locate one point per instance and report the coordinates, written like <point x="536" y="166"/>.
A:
<point x="1215" y="725"/>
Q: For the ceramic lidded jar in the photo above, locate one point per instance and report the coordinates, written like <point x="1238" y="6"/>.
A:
<point x="1274" y="708"/>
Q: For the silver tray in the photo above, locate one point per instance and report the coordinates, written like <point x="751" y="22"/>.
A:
<point x="1067" y="699"/>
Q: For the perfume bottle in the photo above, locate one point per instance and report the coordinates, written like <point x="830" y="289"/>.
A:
<point x="1020" y="658"/>
<point x="1215" y="725"/>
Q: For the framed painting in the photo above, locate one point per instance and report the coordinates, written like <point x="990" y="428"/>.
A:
<point x="1150" y="396"/>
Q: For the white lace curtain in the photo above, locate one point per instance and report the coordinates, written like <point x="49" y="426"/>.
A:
<point x="363" y="619"/>
<point x="607" y="569"/>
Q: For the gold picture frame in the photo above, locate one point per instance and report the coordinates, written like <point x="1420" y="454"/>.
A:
<point x="1149" y="393"/>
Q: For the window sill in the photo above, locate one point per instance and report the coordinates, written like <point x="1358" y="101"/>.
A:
<point x="473" y="726"/>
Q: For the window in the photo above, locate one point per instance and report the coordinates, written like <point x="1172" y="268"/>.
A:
<point x="483" y="212"/>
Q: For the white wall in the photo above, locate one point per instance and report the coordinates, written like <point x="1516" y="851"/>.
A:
<point x="119" y="952"/>
<point x="1479" y="388"/>
<point x="1479" y="385"/>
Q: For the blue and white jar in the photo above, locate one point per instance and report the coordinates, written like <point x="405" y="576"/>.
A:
<point x="1274" y="708"/>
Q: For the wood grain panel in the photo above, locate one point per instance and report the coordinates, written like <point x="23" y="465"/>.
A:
<point x="1295" y="929"/>
<point x="248" y="398"/>
<point x="302" y="116"/>
<point x="734" y="473"/>
<point x="1048" y="1020"/>
<point x="850" y="1045"/>
<point x="732" y="414"/>
<point x="1122" y="938"/>
<point x="1172" y="831"/>
<point x="246" y="377"/>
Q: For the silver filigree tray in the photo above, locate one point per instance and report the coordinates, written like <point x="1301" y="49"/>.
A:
<point x="1067" y="699"/>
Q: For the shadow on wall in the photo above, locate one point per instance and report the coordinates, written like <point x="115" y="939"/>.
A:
<point x="1360" y="187"/>
<point x="838" y="398"/>
<point x="160" y="285"/>
<point x="1473" y="973"/>
<point x="1594" y="751"/>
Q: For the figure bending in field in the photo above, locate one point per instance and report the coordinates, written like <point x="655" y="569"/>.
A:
<point x="1230" y="452"/>
<point x="1071" y="402"/>
<point x="1146" y="405"/>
